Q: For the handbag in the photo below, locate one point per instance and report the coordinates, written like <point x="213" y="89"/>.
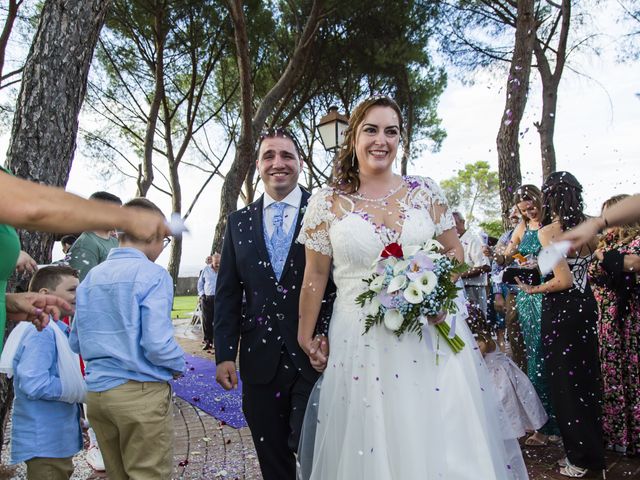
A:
<point x="530" y="276"/>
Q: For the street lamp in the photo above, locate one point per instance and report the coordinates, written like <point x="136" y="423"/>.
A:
<point x="331" y="129"/>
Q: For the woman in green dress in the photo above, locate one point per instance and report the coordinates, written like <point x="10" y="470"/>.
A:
<point x="10" y="248"/>
<point x="525" y="243"/>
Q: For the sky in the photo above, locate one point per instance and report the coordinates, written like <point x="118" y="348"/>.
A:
<point x="597" y="139"/>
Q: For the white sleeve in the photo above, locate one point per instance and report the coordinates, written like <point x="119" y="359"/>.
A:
<point x="316" y="222"/>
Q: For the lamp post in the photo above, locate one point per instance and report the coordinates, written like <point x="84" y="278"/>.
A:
<point x="331" y="129"/>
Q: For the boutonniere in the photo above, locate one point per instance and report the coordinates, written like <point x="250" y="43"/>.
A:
<point x="303" y="209"/>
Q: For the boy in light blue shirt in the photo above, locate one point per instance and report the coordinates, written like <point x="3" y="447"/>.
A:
<point x="124" y="333"/>
<point x="45" y="430"/>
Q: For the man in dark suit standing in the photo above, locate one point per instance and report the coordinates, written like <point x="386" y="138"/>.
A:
<point x="262" y="260"/>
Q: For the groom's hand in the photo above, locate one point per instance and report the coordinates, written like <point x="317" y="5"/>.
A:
<point x="226" y="375"/>
<point x="319" y="353"/>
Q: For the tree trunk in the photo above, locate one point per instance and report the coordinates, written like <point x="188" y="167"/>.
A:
<point x="546" y="128"/>
<point x="407" y="105"/>
<point x="550" y="84"/>
<point x="517" y="89"/>
<point x="244" y="152"/>
<point x="252" y="123"/>
<point x="12" y="13"/>
<point x="248" y="184"/>
<point x="43" y="136"/>
<point x="176" y="206"/>
<point x="145" y="175"/>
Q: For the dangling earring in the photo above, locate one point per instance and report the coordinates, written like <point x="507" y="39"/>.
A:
<point x="353" y="158"/>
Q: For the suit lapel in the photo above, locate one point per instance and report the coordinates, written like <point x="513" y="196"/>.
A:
<point x="295" y="249"/>
<point x="258" y="230"/>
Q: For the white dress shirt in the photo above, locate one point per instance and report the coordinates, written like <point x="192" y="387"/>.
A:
<point x="472" y="245"/>
<point x="292" y="202"/>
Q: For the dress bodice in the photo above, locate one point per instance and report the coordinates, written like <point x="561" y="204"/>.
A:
<point x="580" y="271"/>
<point x="351" y="231"/>
<point x="365" y="418"/>
<point x="530" y="244"/>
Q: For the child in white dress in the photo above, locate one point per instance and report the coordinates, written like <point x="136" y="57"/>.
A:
<point x="521" y="404"/>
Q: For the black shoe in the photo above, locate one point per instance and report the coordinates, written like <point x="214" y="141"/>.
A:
<point x="207" y="346"/>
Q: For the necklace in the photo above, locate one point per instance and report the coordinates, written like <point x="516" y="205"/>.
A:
<point x="391" y="193"/>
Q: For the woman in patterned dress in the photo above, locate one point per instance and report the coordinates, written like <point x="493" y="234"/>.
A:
<point x="616" y="288"/>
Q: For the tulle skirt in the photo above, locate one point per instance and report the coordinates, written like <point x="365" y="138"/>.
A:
<point x="389" y="408"/>
<point x="517" y="394"/>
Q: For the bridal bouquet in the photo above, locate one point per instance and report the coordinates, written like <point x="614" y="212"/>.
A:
<point x="410" y="284"/>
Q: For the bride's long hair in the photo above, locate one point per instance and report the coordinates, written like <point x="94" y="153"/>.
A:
<point x="345" y="169"/>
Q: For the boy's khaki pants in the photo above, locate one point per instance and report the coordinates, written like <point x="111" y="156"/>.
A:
<point x="134" y="426"/>
<point x="42" y="468"/>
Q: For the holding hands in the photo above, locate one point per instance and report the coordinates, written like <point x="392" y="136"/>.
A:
<point x="318" y="351"/>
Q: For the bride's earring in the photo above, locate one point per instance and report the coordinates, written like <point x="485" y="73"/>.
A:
<point x="353" y="158"/>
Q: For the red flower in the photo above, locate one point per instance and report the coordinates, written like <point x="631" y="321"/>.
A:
<point x="392" y="250"/>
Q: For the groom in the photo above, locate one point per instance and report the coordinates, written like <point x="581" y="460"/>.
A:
<point x="262" y="261"/>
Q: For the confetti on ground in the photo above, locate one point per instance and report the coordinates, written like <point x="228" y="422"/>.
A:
<point x="198" y="386"/>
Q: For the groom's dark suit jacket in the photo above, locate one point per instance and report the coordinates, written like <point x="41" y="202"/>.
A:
<point x="269" y="317"/>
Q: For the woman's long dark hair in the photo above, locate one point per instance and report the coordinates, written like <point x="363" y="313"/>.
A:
<point x="345" y="170"/>
<point x="562" y="200"/>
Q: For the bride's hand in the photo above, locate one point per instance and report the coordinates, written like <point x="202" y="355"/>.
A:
<point x="437" y="318"/>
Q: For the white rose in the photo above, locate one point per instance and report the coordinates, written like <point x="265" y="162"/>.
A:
<point x="413" y="293"/>
<point x="397" y="283"/>
<point x="393" y="320"/>
<point x="427" y="282"/>
<point x="376" y="284"/>
<point x="401" y="267"/>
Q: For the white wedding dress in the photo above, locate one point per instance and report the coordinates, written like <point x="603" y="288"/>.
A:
<point x="385" y="409"/>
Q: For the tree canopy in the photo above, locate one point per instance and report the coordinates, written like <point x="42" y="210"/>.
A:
<point x="475" y="191"/>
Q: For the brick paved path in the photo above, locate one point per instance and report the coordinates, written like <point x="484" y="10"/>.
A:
<point x="204" y="449"/>
<point x="232" y="450"/>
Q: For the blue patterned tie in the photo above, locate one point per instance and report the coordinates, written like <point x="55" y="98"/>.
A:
<point x="279" y="239"/>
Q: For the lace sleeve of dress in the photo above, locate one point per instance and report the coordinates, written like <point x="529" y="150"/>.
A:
<point x="435" y="200"/>
<point x="316" y="222"/>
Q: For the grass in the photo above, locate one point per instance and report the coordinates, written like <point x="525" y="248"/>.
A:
<point x="183" y="306"/>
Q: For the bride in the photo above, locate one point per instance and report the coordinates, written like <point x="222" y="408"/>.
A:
<point x="385" y="408"/>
